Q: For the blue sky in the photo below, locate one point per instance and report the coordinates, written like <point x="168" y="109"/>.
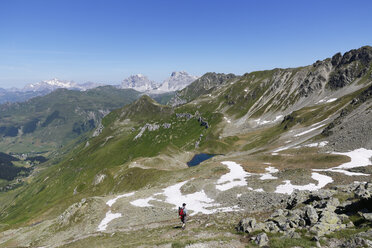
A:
<point x="105" y="41"/>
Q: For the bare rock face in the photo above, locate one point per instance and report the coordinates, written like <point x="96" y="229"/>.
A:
<point x="203" y="85"/>
<point x="99" y="179"/>
<point x="177" y="81"/>
<point x="353" y="64"/>
<point x="98" y="131"/>
<point x="353" y="127"/>
<point x="71" y="214"/>
<point x="138" y="82"/>
<point x="149" y="127"/>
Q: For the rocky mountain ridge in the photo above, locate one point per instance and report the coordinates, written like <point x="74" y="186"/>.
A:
<point x="176" y="81"/>
<point x="138" y="82"/>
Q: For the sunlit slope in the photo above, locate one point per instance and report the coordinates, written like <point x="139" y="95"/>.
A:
<point x="146" y="144"/>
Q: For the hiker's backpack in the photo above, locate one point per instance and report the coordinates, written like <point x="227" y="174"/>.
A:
<point x="180" y="211"/>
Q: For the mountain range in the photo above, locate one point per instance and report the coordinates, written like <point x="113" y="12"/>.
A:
<point x="53" y="84"/>
<point x="138" y="82"/>
<point x="40" y="89"/>
<point x="290" y="161"/>
<point x="176" y="81"/>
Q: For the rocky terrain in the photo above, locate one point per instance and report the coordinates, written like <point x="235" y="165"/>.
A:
<point x="318" y="215"/>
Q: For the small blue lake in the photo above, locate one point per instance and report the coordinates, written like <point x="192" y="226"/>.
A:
<point x="198" y="158"/>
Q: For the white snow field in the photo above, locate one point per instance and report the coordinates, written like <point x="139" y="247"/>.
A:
<point x="108" y="218"/>
<point x="112" y="201"/>
<point x="359" y="158"/>
<point x="270" y="170"/>
<point x="109" y="215"/>
<point x="260" y="122"/>
<point x="143" y="202"/>
<point x="236" y="177"/>
<point x="327" y="101"/>
<point x="197" y="202"/>
<point x="288" y="188"/>
<point x="309" y="130"/>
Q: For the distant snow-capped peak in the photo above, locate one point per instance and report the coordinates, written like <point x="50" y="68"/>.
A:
<point x="53" y="84"/>
<point x="138" y="82"/>
<point x="177" y="81"/>
<point x="49" y="85"/>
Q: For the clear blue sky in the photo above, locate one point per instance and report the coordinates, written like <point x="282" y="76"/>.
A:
<point x="105" y="41"/>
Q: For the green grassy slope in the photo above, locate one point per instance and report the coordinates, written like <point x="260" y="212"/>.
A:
<point x="108" y="154"/>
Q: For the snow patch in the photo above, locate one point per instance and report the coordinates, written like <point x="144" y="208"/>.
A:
<point x="112" y="201"/>
<point x="310" y="130"/>
<point x="109" y="215"/>
<point x="236" y="177"/>
<point x="275" y="152"/>
<point x="143" y="202"/>
<point x="359" y="158"/>
<point x="227" y="119"/>
<point x="108" y="218"/>
<point x="197" y="202"/>
<point x="263" y="122"/>
<point x="327" y="101"/>
<point x="288" y="188"/>
<point x="320" y="144"/>
<point x="267" y="176"/>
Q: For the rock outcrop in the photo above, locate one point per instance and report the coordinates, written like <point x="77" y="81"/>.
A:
<point x="203" y="85"/>
<point x="316" y="213"/>
<point x="353" y="64"/>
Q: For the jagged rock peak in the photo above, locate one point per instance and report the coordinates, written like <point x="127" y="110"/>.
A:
<point x="177" y="81"/>
<point x="138" y="82"/>
<point x="363" y="54"/>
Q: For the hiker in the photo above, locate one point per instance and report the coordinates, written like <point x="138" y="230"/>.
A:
<point x="182" y="212"/>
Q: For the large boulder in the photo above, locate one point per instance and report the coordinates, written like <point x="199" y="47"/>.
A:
<point x="270" y="226"/>
<point x="311" y="215"/>
<point x="247" y="225"/>
<point x="328" y="222"/>
<point x="296" y="198"/>
<point x="363" y="191"/>
<point x="367" y="216"/>
<point x="262" y="239"/>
